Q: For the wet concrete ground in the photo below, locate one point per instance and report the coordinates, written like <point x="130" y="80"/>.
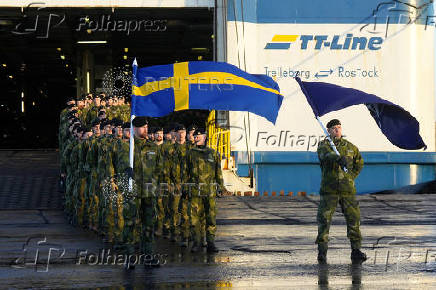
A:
<point x="265" y="242"/>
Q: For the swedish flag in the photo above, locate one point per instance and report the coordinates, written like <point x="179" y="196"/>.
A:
<point x="161" y="89"/>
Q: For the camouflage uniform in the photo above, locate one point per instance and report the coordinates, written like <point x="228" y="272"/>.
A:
<point x="106" y="173"/>
<point x="137" y="177"/>
<point x="150" y="172"/>
<point x="205" y="171"/>
<point x="82" y="114"/>
<point x="110" y="112"/>
<point x="179" y="204"/>
<point x="338" y="186"/>
<point x="127" y="212"/>
<point x="63" y="123"/>
<point x="82" y="202"/>
<point x="74" y="186"/>
<point x="124" y="113"/>
<point x="103" y="175"/>
<point x="90" y="114"/>
<point x="161" y="195"/>
<point x="167" y="155"/>
<point x="121" y="112"/>
<point x="93" y="182"/>
<point x="67" y="167"/>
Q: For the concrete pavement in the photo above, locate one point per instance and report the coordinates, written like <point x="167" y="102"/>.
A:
<point x="264" y="242"/>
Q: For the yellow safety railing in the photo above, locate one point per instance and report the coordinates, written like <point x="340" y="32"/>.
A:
<point x="218" y="138"/>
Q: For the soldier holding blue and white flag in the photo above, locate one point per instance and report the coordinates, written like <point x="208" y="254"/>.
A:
<point x="337" y="186"/>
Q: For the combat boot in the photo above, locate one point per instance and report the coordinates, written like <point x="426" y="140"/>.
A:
<point x="358" y="256"/>
<point x="174" y="238"/>
<point x="322" y="253"/>
<point x="211" y="248"/>
<point x="184" y="243"/>
<point x="158" y="232"/>
<point x="166" y="234"/>
<point x="196" y="247"/>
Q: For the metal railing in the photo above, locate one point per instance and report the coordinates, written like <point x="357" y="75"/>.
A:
<point x="218" y="138"/>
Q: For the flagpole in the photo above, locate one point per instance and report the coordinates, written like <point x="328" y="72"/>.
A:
<point x="132" y="141"/>
<point x="330" y="140"/>
<point x="131" y="151"/>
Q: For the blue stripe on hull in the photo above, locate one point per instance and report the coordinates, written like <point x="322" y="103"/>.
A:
<point x="299" y="171"/>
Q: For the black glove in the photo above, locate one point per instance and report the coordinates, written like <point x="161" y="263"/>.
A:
<point x="343" y="162"/>
<point x="129" y="172"/>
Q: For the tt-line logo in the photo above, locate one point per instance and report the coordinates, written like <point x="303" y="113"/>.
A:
<point x="335" y="42"/>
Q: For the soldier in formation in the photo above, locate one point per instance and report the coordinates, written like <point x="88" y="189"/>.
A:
<point x="169" y="192"/>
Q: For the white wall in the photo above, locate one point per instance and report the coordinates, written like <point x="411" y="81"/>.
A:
<point x="405" y="70"/>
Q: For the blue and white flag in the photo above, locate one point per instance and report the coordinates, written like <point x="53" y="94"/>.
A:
<point x="398" y="125"/>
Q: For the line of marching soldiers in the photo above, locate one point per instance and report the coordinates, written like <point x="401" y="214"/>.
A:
<point x="170" y="191"/>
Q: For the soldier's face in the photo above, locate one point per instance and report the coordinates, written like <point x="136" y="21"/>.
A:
<point x="110" y="102"/>
<point x="97" y="101"/>
<point x="102" y="103"/>
<point x="126" y="132"/>
<point x="80" y="104"/>
<point x="119" y="131"/>
<point x="168" y="136"/>
<point x="142" y="132"/>
<point x="108" y="129"/>
<point x="158" y="136"/>
<point x="173" y="135"/>
<point x="335" y="131"/>
<point x="96" y="130"/>
<point x="199" y="139"/>
<point x="181" y="135"/>
<point x="191" y="135"/>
